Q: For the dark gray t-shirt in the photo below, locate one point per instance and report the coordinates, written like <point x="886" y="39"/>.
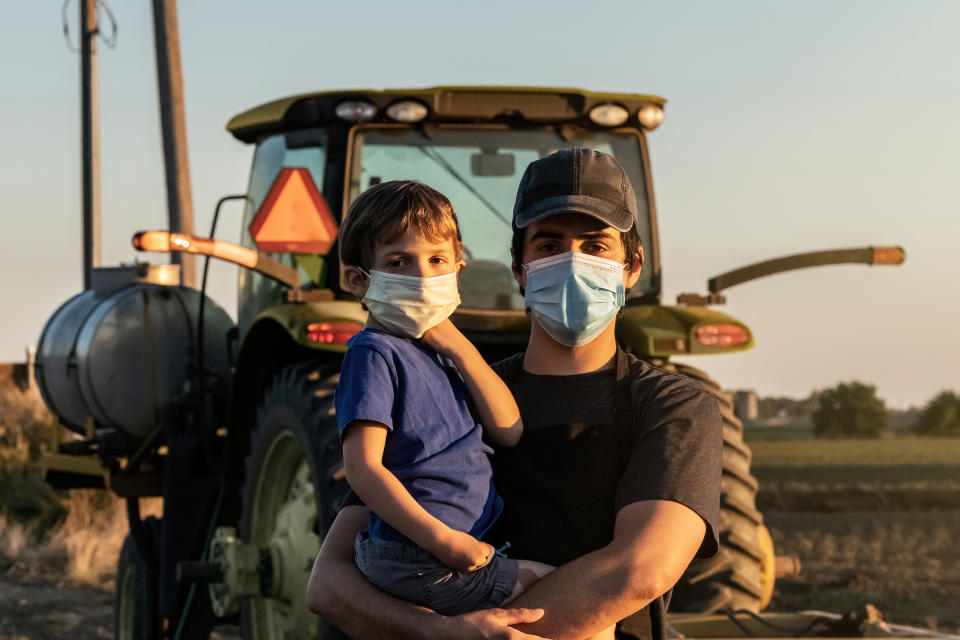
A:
<point x="577" y="464"/>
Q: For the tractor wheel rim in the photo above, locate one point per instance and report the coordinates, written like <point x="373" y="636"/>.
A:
<point x="126" y="606"/>
<point x="283" y="517"/>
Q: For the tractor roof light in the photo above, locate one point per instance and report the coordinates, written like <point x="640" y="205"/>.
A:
<point x="609" y="115"/>
<point x="336" y="332"/>
<point x="356" y="111"/>
<point x="721" y="335"/>
<point x="650" y="116"/>
<point x="407" y="111"/>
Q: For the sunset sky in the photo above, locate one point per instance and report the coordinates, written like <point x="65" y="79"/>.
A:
<point x="790" y="126"/>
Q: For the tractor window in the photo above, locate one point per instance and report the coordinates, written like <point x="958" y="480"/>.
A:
<point x="305" y="148"/>
<point x="479" y="171"/>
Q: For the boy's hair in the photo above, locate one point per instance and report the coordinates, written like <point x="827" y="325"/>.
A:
<point x="389" y="210"/>
<point x="630" y="240"/>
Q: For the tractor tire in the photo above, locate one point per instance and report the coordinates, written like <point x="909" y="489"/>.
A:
<point x="293" y="486"/>
<point x="135" y="615"/>
<point x="736" y="577"/>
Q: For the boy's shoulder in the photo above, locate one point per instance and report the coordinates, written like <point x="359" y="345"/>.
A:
<point x="393" y="348"/>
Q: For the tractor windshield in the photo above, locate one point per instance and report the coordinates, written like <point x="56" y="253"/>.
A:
<point x="479" y="170"/>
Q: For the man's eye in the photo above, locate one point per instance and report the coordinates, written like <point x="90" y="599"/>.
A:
<point x="547" y="246"/>
<point x="438" y="260"/>
<point x="396" y="262"/>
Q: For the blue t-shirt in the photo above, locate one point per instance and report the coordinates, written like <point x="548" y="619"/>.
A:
<point x="434" y="445"/>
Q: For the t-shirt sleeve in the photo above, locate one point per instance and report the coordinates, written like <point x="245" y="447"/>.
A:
<point x="678" y="454"/>
<point x="366" y="389"/>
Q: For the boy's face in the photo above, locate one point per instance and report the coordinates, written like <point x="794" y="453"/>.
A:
<point x="409" y="255"/>
<point x="580" y="233"/>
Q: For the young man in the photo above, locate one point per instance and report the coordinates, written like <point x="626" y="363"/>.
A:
<point x="617" y="476"/>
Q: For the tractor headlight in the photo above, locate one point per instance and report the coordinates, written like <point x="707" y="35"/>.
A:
<point x="609" y="115"/>
<point x="407" y="111"/>
<point x="355" y="110"/>
<point x="650" y="116"/>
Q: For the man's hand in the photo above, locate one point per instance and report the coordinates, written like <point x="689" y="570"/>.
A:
<point x="492" y="624"/>
<point x="462" y="552"/>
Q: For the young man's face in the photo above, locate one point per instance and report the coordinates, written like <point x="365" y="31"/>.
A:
<point x="409" y="255"/>
<point x="579" y="233"/>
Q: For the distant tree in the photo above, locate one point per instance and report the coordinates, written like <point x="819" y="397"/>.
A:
<point x="850" y="410"/>
<point x="941" y="416"/>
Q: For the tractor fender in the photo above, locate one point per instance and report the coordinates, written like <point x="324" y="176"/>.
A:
<point x="662" y="331"/>
<point x="277" y="338"/>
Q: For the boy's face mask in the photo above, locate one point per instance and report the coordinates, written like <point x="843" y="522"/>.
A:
<point x="408" y="305"/>
<point x="574" y="296"/>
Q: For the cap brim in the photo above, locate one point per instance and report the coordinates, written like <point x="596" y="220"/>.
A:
<point x="619" y="219"/>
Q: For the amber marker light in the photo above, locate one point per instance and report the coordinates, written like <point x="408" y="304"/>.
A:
<point x="334" y="332"/>
<point x="888" y="255"/>
<point x="152" y="241"/>
<point x="721" y="335"/>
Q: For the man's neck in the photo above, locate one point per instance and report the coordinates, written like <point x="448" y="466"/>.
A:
<point x="546" y="356"/>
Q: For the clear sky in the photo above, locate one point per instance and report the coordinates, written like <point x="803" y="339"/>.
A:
<point x="790" y="126"/>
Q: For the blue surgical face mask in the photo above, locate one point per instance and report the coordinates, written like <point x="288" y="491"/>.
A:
<point x="574" y="296"/>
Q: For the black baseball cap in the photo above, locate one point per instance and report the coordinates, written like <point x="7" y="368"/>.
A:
<point x="578" y="180"/>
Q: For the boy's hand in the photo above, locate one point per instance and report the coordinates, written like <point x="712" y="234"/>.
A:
<point x="463" y="552"/>
<point x="447" y="340"/>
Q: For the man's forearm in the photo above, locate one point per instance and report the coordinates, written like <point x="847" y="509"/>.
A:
<point x="652" y="544"/>
<point x="585" y="596"/>
<point x="340" y="594"/>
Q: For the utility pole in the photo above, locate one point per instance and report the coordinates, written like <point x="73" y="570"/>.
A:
<point x="90" y="138"/>
<point x="173" y="129"/>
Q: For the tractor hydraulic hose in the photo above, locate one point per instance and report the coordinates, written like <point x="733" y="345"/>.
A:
<point x="864" y="255"/>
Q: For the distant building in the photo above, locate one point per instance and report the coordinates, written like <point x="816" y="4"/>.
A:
<point x="745" y="404"/>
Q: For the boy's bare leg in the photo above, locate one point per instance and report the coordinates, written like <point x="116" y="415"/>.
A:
<point x="528" y="573"/>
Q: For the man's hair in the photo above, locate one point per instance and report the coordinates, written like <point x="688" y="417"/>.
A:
<point x="630" y="240"/>
<point x="384" y="212"/>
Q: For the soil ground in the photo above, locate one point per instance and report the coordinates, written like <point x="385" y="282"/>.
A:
<point x="36" y="607"/>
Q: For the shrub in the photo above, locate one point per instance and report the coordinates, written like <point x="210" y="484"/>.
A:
<point x="850" y="410"/>
<point x="941" y="416"/>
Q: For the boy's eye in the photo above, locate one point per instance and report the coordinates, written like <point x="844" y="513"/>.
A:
<point x="438" y="260"/>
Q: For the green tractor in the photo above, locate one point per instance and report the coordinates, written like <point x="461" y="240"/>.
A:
<point x="233" y="425"/>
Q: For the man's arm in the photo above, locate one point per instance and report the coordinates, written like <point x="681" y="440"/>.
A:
<point x="338" y="592"/>
<point x="653" y="542"/>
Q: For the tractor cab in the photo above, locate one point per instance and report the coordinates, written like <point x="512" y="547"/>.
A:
<point x="471" y="144"/>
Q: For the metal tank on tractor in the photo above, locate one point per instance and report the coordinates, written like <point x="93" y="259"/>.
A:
<point x="233" y="424"/>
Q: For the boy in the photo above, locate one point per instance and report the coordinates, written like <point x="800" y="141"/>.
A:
<point x="412" y="449"/>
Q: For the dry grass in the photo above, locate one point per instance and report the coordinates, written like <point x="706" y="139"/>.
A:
<point x="907" y="564"/>
<point x="74" y="535"/>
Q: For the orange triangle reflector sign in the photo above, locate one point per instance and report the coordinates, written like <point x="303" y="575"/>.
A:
<point x="294" y="218"/>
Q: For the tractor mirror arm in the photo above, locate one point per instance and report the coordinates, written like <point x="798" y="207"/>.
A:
<point x="864" y="255"/>
<point x="166" y="241"/>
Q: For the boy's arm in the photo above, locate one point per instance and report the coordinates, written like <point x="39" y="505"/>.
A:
<point x="653" y="542"/>
<point x="496" y="407"/>
<point x="339" y="593"/>
<point x="363" y="444"/>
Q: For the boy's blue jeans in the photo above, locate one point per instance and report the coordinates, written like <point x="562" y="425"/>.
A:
<point x="408" y="572"/>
